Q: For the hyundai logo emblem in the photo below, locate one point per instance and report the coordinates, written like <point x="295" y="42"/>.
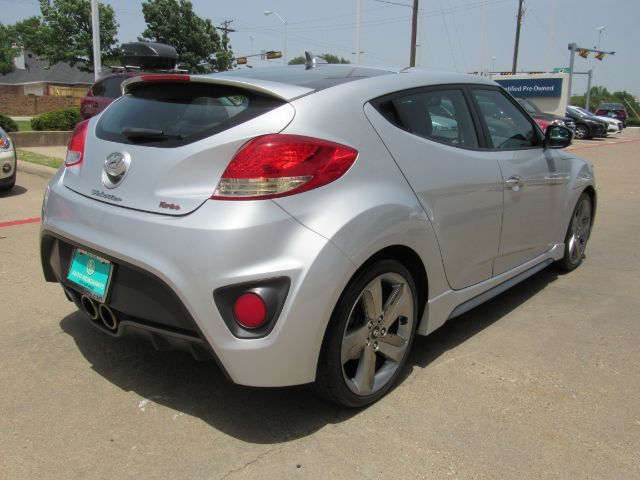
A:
<point x="115" y="168"/>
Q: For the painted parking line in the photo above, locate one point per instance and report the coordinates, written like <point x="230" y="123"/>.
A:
<point x="19" y="222"/>
<point x="606" y="144"/>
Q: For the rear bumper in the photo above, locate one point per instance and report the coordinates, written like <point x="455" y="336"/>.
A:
<point x="188" y="258"/>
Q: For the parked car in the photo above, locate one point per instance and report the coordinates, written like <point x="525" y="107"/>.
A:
<point x="545" y="119"/>
<point x="8" y="168"/>
<point x="301" y="224"/>
<point x="615" y="110"/>
<point x="138" y="58"/>
<point x="103" y="92"/>
<point x="587" y="126"/>
<point x="613" y="125"/>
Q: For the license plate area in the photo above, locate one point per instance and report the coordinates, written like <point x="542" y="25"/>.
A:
<point x="91" y="273"/>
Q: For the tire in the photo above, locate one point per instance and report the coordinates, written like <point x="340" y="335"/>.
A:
<point x="10" y="185"/>
<point x="366" y="345"/>
<point x="578" y="233"/>
<point x="582" y="132"/>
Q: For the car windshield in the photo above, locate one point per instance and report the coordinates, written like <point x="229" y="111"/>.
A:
<point x="583" y="111"/>
<point x="529" y="107"/>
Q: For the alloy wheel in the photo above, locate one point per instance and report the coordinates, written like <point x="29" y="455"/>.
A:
<point x="580" y="230"/>
<point x="377" y="334"/>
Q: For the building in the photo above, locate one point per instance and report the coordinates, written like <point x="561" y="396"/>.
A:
<point x="36" y="87"/>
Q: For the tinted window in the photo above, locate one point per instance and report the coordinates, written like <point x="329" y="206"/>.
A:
<point x="439" y="115"/>
<point x="98" y="89"/>
<point x="508" y="127"/>
<point x="113" y="87"/>
<point x="175" y="114"/>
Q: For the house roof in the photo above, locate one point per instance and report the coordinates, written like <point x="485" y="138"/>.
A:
<point x="37" y="71"/>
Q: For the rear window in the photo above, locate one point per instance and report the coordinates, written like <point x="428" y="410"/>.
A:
<point x="173" y="114"/>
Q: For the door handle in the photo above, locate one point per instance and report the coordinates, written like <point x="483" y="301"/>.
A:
<point x="514" y="183"/>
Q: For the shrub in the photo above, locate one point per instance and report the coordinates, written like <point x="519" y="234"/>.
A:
<point x="633" y="122"/>
<point x="62" y="119"/>
<point x="8" y="124"/>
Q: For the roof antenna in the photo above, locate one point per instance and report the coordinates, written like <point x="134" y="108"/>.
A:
<point x="311" y="60"/>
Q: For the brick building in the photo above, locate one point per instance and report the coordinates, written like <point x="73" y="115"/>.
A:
<point x="36" y="87"/>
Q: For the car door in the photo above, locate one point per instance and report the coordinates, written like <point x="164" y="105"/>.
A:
<point x="433" y="138"/>
<point x="534" y="179"/>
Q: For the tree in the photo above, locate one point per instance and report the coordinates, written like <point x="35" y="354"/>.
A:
<point x="602" y="95"/>
<point x="7" y="52"/>
<point x="329" y="57"/>
<point x="196" y="40"/>
<point x="67" y="35"/>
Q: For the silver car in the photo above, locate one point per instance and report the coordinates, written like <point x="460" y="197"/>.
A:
<point x="302" y="224"/>
<point x="8" y="168"/>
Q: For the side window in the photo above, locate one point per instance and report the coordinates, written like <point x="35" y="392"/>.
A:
<point x="113" y="87"/>
<point x="98" y="89"/>
<point x="507" y="126"/>
<point x="439" y="115"/>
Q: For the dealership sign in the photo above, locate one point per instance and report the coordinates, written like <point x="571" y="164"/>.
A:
<point x="533" y="87"/>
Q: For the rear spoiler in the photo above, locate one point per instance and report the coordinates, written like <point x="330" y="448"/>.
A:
<point x="282" y="91"/>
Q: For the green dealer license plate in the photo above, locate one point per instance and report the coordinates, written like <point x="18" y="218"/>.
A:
<point x="90" y="272"/>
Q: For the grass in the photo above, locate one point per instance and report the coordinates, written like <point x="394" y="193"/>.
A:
<point x="39" y="159"/>
<point x="24" y="125"/>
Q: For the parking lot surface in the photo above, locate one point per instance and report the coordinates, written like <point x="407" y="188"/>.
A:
<point x="540" y="382"/>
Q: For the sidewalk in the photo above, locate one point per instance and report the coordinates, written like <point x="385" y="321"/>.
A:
<point x="58" y="151"/>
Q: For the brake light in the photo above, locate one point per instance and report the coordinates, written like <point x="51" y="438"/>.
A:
<point x="165" y="78"/>
<point x="75" y="151"/>
<point x="279" y="165"/>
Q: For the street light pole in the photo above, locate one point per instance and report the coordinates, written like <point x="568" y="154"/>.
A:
<point x="95" y="30"/>
<point x="284" y="22"/>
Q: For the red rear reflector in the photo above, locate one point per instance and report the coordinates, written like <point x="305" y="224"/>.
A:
<point x="278" y="165"/>
<point x="164" y="78"/>
<point x="250" y="310"/>
<point x="75" y="151"/>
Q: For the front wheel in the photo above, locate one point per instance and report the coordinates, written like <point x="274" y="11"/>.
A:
<point x="582" y="132"/>
<point x="369" y="336"/>
<point x="578" y="233"/>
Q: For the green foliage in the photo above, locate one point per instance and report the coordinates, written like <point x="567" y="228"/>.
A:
<point x="329" y="57"/>
<point x="62" y="119"/>
<point x="633" y="122"/>
<point x="30" y="34"/>
<point x="66" y="35"/>
<point x="196" y="40"/>
<point x="8" y="124"/>
<point x="7" y="53"/>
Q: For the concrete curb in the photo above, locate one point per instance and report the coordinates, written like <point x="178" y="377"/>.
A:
<point x="35" y="169"/>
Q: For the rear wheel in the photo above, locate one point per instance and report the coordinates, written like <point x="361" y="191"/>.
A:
<point x="369" y="336"/>
<point x="578" y="234"/>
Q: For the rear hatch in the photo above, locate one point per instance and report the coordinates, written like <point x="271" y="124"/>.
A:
<point x="175" y="135"/>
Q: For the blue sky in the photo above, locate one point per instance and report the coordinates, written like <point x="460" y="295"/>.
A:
<point x="451" y="33"/>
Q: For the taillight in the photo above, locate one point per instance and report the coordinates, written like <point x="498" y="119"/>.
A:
<point x="278" y="165"/>
<point x="75" y="151"/>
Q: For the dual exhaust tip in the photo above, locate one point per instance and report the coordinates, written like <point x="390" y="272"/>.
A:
<point x="99" y="312"/>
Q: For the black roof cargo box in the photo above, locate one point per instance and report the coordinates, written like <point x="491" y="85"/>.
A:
<point x="149" y="55"/>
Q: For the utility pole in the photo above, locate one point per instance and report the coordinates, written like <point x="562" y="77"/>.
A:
<point x="358" y="18"/>
<point x="517" y="43"/>
<point x="225" y="27"/>
<point x="95" y="30"/>
<point x="414" y="33"/>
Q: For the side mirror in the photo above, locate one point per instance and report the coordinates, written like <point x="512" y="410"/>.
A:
<point x="557" y="136"/>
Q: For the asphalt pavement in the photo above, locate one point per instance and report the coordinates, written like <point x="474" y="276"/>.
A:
<point x="540" y="382"/>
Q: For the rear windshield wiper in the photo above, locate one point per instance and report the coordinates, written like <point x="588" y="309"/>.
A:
<point x="148" y="133"/>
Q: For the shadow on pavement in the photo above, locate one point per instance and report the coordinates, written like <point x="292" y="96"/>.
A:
<point x="257" y="415"/>
<point x="456" y="331"/>
<point x="14" y="192"/>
